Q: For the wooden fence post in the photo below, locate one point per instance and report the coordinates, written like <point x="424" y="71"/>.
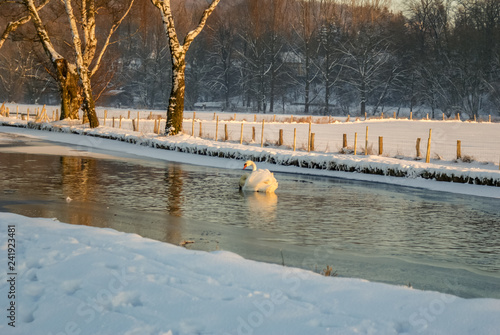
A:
<point x="113" y="121"/>
<point x="241" y="134"/>
<point x="428" y="154"/>
<point x="366" y="114"/>
<point x="459" y="149"/>
<point x="226" y="136"/>
<point x="155" y="129"/>
<point x="394" y="116"/>
<point x="280" y="138"/>
<point x="458" y="116"/>
<point x="17" y="112"/>
<point x="214" y="116"/>
<point x="366" y="141"/>
<point x="380" y="145"/>
<point x="253" y="134"/>
<point x="294" y="138"/>
<point x="28" y="115"/>
<point x="128" y="115"/>
<point x="443" y="116"/>
<point x="105" y="116"/>
<point x="309" y="137"/>
<point x="344" y="141"/>
<point x="418" y="147"/>
<point x="216" y="126"/>
<point x="254" y="118"/>
<point x="291" y="118"/>
<point x="200" y="128"/>
<point x="192" y="126"/>
<point x="355" y="142"/>
<point x="312" y="141"/>
<point x="411" y="116"/>
<point x="489" y="118"/>
<point x="262" y="134"/>
<point x="133" y="125"/>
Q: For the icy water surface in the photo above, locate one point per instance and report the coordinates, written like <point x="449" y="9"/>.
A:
<point x="436" y="241"/>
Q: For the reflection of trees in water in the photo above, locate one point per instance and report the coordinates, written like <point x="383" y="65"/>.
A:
<point x="174" y="184"/>
<point x="173" y="189"/>
<point x="79" y="181"/>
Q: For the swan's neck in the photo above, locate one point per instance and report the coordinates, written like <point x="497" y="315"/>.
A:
<point x="254" y="167"/>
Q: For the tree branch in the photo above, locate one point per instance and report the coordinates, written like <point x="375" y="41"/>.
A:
<point x="195" y="32"/>
<point x="12" y="26"/>
<point x="114" y="27"/>
<point x="41" y="31"/>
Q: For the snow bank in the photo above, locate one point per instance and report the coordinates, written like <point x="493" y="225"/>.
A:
<point x="383" y="166"/>
<point x="83" y="280"/>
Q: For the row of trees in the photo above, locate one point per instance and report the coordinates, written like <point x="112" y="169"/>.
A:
<point x="74" y="77"/>
<point x="326" y="56"/>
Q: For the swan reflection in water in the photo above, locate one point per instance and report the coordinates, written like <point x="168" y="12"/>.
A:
<point x="262" y="207"/>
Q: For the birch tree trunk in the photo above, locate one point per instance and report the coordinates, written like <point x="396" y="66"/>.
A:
<point x="175" y="109"/>
<point x="88" y="106"/>
<point x="65" y="72"/>
<point x="178" y="52"/>
<point x="70" y="89"/>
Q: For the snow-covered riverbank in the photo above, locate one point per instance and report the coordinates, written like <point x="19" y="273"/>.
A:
<point x="82" y="280"/>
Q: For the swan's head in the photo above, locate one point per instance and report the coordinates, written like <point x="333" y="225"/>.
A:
<point x="250" y="163"/>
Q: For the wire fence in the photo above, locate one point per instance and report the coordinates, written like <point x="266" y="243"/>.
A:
<point x="384" y="135"/>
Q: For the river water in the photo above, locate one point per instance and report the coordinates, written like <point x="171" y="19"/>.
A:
<point x="431" y="240"/>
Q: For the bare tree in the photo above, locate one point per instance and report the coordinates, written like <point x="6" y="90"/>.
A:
<point x="65" y="72"/>
<point x="178" y="53"/>
<point x="369" y="66"/>
<point x="85" y="52"/>
<point x="329" y="39"/>
<point x="73" y="78"/>
<point x="307" y="32"/>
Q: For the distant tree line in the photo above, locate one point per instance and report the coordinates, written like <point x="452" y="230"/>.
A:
<point x="321" y="56"/>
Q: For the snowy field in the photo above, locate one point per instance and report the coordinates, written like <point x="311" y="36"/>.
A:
<point x="480" y="141"/>
<point x="83" y="280"/>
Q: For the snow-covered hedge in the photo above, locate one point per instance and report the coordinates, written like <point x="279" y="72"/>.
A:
<point x="384" y="166"/>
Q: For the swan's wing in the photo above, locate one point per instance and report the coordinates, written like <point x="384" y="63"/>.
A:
<point x="261" y="181"/>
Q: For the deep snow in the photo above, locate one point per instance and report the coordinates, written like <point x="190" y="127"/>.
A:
<point x="84" y="280"/>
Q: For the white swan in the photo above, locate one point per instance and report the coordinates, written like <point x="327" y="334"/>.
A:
<point x="260" y="180"/>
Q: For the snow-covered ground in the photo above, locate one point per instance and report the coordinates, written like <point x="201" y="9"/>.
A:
<point x="82" y="280"/>
<point x="479" y="140"/>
